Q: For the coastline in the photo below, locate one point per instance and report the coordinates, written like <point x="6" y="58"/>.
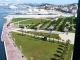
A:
<point x="35" y="16"/>
<point x="12" y="52"/>
<point x="4" y="43"/>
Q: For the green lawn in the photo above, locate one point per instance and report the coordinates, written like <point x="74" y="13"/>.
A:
<point x="45" y="34"/>
<point x="46" y="22"/>
<point x="28" y="20"/>
<point x="36" y="48"/>
<point x="33" y="21"/>
<point x="18" y="19"/>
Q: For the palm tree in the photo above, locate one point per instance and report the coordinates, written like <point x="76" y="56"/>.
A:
<point x="37" y="35"/>
<point x="32" y="22"/>
<point x="62" y="41"/>
<point x="64" y="50"/>
<point x="66" y="47"/>
<point x="62" y="56"/>
<point x="34" y="35"/>
<point x="31" y="34"/>
<point x="22" y="31"/>
<point x="25" y="32"/>
<point x="67" y="42"/>
<point x="41" y="21"/>
<point x="58" y="38"/>
<point x="49" y="37"/>
<point x="53" y="39"/>
<point x="41" y="35"/>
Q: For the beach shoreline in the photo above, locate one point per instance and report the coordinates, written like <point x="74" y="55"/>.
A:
<point x="12" y="52"/>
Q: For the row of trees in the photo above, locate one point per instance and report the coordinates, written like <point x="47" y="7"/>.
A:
<point x="65" y="49"/>
<point x="57" y="23"/>
<point x="69" y="26"/>
<point x="62" y="50"/>
<point x="46" y="37"/>
<point x="44" y="23"/>
<point x="72" y="20"/>
<point x="52" y="23"/>
<point x="61" y="27"/>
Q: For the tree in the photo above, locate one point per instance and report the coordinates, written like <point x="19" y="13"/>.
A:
<point x="53" y="39"/>
<point x="62" y="41"/>
<point x="67" y="42"/>
<point x="37" y="35"/>
<point x="49" y="36"/>
<point x="65" y="48"/>
<point x="32" y="22"/>
<point x="22" y="31"/>
<point x="58" y="39"/>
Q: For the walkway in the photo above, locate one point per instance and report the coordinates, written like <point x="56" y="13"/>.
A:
<point x="63" y="36"/>
<point x="12" y="51"/>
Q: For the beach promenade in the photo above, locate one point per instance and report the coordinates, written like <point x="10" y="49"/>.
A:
<point x="12" y="51"/>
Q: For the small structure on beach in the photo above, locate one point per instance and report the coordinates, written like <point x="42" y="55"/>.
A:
<point x="38" y="27"/>
<point x="66" y="29"/>
<point x="24" y="27"/>
<point x="56" y="19"/>
<point x="67" y="22"/>
<point x="51" y="28"/>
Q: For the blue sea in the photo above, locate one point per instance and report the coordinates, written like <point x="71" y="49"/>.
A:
<point x="4" y="10"/>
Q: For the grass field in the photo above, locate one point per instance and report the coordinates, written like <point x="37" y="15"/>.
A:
<point x="36" y="48"/>
<point x="33" y="21"/>
<point x="28" y="20"/>
<point x="46" y="23"/>
<point x="18" y="19"/>
<point x="45" y="34"/>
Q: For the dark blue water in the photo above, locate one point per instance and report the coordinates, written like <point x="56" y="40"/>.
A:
<point x="2" y="50"/>
<point x="3" y="12"/>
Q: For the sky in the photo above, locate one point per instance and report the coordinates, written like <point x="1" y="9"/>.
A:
<point x="59" y="2"/>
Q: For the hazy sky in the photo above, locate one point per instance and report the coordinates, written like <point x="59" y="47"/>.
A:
<point x="40" y="1"/>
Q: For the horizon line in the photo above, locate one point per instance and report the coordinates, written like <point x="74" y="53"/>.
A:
<point x="37" y="3"/>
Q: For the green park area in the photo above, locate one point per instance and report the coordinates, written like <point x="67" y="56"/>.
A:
<point x="44" y="34"/>
<point x="18" y="19"/>
<point x="46" y="23"/>
<point x="42" y="50"/>
<point x="28" y="20"/>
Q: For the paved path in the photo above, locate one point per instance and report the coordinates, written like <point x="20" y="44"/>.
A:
<point x="39" y="36"/>
<point x="12" y="51"/>
<point x="63" y="36"/>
